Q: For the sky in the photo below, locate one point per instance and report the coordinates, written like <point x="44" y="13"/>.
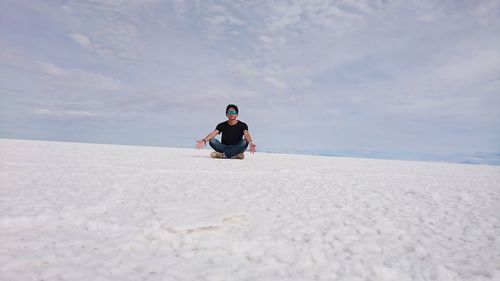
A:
<point x="416" y="80"/>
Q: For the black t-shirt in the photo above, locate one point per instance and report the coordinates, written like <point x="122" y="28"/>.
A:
<point x="231" y="134"/>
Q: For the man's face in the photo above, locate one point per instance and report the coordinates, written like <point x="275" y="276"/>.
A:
<point x="231" y="113"/>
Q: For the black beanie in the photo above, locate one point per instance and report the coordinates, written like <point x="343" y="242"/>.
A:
<point x="232" y="106"/>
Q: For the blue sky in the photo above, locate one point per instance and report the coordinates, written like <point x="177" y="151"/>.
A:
<point x="392" y="79"/>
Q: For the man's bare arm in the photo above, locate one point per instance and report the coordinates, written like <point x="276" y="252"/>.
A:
<point x="201" y="143"/>
<point x="249" y="139"/>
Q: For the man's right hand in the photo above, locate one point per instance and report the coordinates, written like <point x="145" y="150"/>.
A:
<point x="200" y="144"/>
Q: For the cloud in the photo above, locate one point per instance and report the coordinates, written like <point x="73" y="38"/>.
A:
<point x="78" y="79"/>
<point x="164" y="101"/>
<point x="81" y="39"/>
<point x="476" y="67"/>
<point x="65" y="113"/>
<point x="221" y="15"/>
<point x="264" y="36"/>
<point x="272" y="75"/>
<point x="278" y="77"/>
<point x="307" y="20"/>
<point x="114" y="26"/>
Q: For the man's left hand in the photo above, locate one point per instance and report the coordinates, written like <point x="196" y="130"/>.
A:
<point x="252" y="147"/>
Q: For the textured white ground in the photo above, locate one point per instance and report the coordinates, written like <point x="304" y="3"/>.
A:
<point x="72" y="211"/>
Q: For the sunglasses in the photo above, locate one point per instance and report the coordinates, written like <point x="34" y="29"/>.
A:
<point x="231" y="112"/>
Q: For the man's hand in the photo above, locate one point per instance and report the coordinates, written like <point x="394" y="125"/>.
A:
<point x="252" y="147"/>
<point x="200" y="144"/>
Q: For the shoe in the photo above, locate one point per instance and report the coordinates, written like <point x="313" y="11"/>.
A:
<point x="240" y="156"/>
<point x="216" y="154"/>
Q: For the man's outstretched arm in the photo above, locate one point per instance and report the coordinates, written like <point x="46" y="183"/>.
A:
<point x="201" y="143"/>
<point x="249" y="139"/>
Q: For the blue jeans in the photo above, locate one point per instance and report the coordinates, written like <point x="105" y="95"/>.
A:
<point x="229" y="150"/>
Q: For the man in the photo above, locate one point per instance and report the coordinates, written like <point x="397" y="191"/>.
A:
<point x="232" y="145"/>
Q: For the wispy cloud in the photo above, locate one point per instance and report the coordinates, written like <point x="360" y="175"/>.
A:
<point x="65" y="113"/>
<point x="81" y="39"/>
<point x="113" y="31"/>
<point x="481" y="65"/>
<point x="65" y="79"/>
